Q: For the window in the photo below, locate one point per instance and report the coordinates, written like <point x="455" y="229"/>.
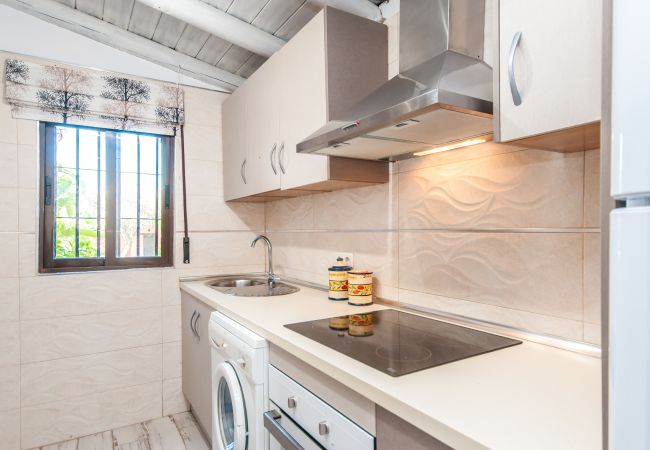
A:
<point x="106" y="199"/>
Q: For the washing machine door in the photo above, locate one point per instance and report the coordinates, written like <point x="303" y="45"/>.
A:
<point x="230" y="430"/>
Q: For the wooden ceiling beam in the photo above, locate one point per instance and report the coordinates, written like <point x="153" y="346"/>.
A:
<point x="120" y="39"/>
<point x="220" y="24"/>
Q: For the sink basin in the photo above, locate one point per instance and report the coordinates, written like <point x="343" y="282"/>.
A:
<point x="236" y="283"/>
<point x="246" y="286"/>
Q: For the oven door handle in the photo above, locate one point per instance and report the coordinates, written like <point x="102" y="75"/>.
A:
<point x="280" y="434"/>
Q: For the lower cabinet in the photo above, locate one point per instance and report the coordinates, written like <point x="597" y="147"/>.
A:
<point x="395" y="433"/>
<point x="197" y="382"/>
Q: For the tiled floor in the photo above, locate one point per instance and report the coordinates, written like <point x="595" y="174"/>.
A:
<point x="177" y="432"/>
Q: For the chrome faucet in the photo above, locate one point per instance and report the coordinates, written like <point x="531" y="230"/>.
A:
<point x="272" y="278"/>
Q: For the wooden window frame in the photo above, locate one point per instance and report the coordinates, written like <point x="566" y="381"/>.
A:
<point x="110" y="260"/>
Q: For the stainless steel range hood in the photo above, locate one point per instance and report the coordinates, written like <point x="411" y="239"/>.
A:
<point x="442" y="95"/>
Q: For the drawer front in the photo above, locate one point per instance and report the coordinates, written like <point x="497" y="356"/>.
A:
<point x="293" y="430"/>
<point x="327" y="426"/>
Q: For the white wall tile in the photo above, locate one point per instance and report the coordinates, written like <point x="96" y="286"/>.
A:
<point x="203" y="142"/>
<point x="531" y="188"/>
<point x="171" y="294"/>
<point x="212" y="213"/>
<point x="8" y="255"/>
<point x="9" y="387"/>
<point x="9" y="344"/>
<point x="173" y="400"/>
<point x="172" y="360"/>
<point x="219" y="249"/>
<point x="9" y="304"/>
<point x="58" y="421"/>
<point x="592" y="188"/>
<point x="27" y="253"/>
<point x="291" y="214"/>
<point x="27" y="210"/>
<point x="8" y="209"/>
<point x="10" y="430"/>
<point x="592" y="268"/>
<point x="203" y="107"/>
<point x="171" y="316"/>
<point x="27" y="132"/>
<point x="47" y="339"/>
<point x="202" y="177"/>
<point x="8" y="127"/>
<point x="8" y="165"/>
<point x="88" y="293"/>
<point x="592" y="333"/>
<point x="27" y="166"/>
<point x="533" y="272"/>
<point x="67" y="378"/>
<point x="536" y="323"/>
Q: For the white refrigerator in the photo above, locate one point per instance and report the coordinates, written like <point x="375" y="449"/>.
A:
<point x="629" y="265"/>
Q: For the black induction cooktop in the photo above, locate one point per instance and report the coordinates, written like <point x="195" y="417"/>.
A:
<point x="398" y="343"/>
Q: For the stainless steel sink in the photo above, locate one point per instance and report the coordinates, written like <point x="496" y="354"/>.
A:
<point x="247" y="286"/>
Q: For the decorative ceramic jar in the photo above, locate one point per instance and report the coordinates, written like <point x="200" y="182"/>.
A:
<point x="338" y="283"/>
<point x="359" y="287"/>
<point x="340" y="323"/>
<point x="361" y="325"/>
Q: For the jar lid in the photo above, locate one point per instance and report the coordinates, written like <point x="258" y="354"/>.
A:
<point x="360" y="272"/>
<point x="339" y="268"/>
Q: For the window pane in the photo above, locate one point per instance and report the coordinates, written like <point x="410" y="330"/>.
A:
<point x="66" y="147"/>
<point x="149" y="154"/>
<point x="66" y="193"/>
<point x="89" y="149"/>
<point x="128" y="195"/>
<point x="128" y="237"/>
<point x="64" y="245"/>
<point x="148" y="238"/>
<point x="149" y="197"/>
<point x="79" y="193"/>
<point x="127" y="146"/>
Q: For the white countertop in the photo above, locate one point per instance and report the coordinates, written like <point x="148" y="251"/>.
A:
<point x="529" y="396"/>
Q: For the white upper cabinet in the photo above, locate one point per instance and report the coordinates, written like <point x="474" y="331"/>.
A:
<point x="548" y="82"/>
<point x="333" y="62"/>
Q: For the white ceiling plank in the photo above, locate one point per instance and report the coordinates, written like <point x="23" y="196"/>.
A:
<point x="219" y="24"/>
<point x="69" y="3"/>
<point x="169" y="31"/>
<point x="363" y="8"/>
<point x="144" y="20"/>
<point x="246" y="10"/>
<point x="92" y="7"/>
<point x="233" y="58"/>
<point x="223" y="5"/>
<point x="118" y="12"/>
<point x="275" y="14"/>
<point x="297" y="21"/>
<point x="251" y="65"/>
<point x="213" y="50"/>
<point x="192" y="41"/>
<point x="113" y="36"/>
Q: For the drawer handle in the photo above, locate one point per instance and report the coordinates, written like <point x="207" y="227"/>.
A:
<point x="514" y="90"/>
<point x="242" y="171"/>
<point x="281" y="158"/>
<point x="291" y="402"/>
<point x="323" y="428"/>
<point x="273" y="150"/>
<point x="276" y="430"/>
<point x="196" y="330"/>
<point x="192" y="323"/>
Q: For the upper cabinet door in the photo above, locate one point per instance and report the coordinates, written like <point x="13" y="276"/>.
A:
<point x="236" y="164"/>
<point x="263" y="122"/>
<point x="549" y="66"/>
<point x="304" y="107"/>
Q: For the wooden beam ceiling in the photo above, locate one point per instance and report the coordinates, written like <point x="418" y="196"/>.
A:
<point x="116" y="37"/>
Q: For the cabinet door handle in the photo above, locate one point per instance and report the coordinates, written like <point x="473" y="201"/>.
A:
<point x="281" y="157"/>
<point x="516" y="97"/>
<point x="196" y="330"/>
<point x="273" y="150"/>
<point x="192" y="323"/>
<point x="242" y="170"/>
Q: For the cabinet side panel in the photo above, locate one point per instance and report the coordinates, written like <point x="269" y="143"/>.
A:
<point x="357" y="59"/>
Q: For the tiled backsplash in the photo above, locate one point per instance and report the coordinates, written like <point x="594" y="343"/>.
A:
<point x="83" y="353"/>
<point x="493" y="232"/>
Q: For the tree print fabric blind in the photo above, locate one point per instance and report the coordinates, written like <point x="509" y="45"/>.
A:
<point x="69" y="95"/>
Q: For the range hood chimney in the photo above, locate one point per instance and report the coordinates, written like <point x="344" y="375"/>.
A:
<point x="442" y="95"/>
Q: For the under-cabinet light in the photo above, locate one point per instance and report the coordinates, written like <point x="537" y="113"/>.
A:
<point x="453" y="146"/>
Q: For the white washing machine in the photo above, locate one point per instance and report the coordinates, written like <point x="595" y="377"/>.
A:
<point x="239" y="386"/>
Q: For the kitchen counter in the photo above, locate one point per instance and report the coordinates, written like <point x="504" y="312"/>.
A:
<point x="528" y="396"/>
